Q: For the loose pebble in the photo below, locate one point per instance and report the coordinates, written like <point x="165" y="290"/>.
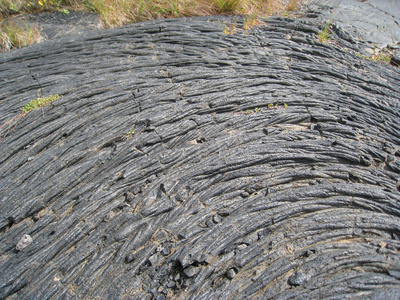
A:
<point x="24" y="242"/>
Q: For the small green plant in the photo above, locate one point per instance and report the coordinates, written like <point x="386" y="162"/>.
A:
<point x="131" y="132"/>
<point x="325" y="35"/>
<point x="39" y="102"/>
<point x="229" y="29"/>
<point x="10" y="125"/>
<point x="63" y="11"/>
<point x="98" y="7"/>
<point x="10" y="7"/>
<point x="14" y="8"/>
<point x="380" y="55"/>
<point x="252" y="21"/>
<point x="361" y="56"/>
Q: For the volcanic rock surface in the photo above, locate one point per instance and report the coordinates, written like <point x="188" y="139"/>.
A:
<point x="55" y="24"/>
<point x="376" y="23"/>
<point x="182" y="162"/>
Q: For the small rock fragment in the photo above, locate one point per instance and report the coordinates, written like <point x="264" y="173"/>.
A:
<point x="166" y="251"/>
<point x="171" y="284"/>
<point x="297" y="278"/>
<point x="209" y="223"/>
<point x="122" y="205"/>
<point x="36" y="217"/>
<point x="191" y="271"/>
<point x="153" y="260"/>
<point x="129" y="197"/>
<point x="217" y="219"/>
<point x="151" y="178"/>
<point x="241" y="246"/>
<point x="231" y="273"/>
<point x="395" y="61"/>
<point x="129" y="258"/>
<point x="245" y="194"/>
<point x="395" y="274"/>
<point x="24" y="242"/>
<point x="224" y="212"/>
<point x="137" y="190"/>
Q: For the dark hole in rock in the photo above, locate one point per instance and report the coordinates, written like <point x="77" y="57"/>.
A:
<point x="10" y="221"/>
<point x="142" y="124"/>
<point x="200" y="140"/>
<point x="130" y="258"/>
<point x="176" y="268"/>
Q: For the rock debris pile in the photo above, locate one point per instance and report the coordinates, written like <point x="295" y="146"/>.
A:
<point x="182" y="162"/>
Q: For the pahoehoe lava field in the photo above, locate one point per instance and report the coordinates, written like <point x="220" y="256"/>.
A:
<point x="184" y="163"/>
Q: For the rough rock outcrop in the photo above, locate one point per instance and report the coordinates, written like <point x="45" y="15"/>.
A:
<point x="184" y="162"/>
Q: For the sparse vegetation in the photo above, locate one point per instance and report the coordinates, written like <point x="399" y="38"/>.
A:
<point x="378" y="55"/>
<point x="14" y="34"/>
<point x="226" y="6"/>
<point x="251" y="21"/>
<point x="39" y="102"/>
<point x="293" y="5"/>
<point x="325" y="35"/>
<point x="116" y="13"/>
<point x="10" y="125"/>
<point x="229" y="29"/>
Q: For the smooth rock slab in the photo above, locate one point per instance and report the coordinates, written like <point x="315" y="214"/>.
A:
<point x="56" y="24"/>
<point x="374" y="23"/>
<point x="160" y="130"/>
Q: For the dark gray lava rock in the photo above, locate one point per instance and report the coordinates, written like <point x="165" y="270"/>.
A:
<point x="297" y="278"/>
<point x="160" y="128"/>
<point x="191" y="271"/>
<point x="231" y="273"/>
<point x="57" y="24"/>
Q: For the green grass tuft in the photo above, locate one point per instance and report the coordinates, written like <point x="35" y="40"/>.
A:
<point x="16" y="35"/>
<point x="325" y="35"/>
<point x="292" y="5"/>
<point x="226" y="6"/>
